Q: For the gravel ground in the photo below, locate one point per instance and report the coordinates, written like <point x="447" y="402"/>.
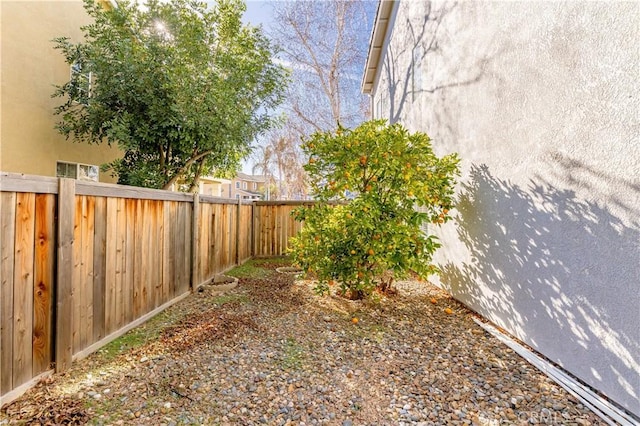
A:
<point x="272" y="352"/>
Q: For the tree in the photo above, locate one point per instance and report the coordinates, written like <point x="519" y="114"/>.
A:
<point x="181" y="88"/>
<point x="324" y="43"/>
<point x="279" y="156"/>
<point x="365" y="230"/>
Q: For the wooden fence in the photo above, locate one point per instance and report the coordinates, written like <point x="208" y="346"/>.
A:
<point x="82" y="263"/>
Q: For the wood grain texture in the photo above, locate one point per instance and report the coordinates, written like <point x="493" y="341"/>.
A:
<point x="129" y="283"/>
<point x="110" y="265"/>
<point x="7" y="255"/>
<point x="64" y="275"/>
<point x="16" y="182"/>
<point x="196" y="237"/>
<point x="23" y="288"/>
<point x="77" y="272"/>
<point x="121" y="253"/>
<point x="44" y="264"/>
<point x="88" y="225"/>
<point x="99" y="267"/>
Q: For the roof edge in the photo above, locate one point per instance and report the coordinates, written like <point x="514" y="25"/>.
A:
<point x="376" y="42"/>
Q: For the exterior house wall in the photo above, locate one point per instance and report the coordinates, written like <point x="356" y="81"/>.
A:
<point x="30" y="68"/>
<point x="541" y="101"/>
<point x="253" y="185"/>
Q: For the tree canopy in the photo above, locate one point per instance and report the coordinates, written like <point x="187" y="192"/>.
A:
<point x="181" y="87"/>
<point x="376" y="187"/>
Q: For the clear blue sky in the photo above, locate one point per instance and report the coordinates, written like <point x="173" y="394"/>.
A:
<point x="258" y="12"/>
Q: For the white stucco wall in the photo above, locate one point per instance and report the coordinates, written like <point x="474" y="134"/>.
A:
<point x="542" y="102"/>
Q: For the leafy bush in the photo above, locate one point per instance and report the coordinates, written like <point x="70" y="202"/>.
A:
<point x="375" y="186"/>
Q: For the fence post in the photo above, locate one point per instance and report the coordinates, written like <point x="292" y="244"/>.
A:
<point x="238" y="231"/>
<point x="195" y="242"/>
<point x="64" y="287"/>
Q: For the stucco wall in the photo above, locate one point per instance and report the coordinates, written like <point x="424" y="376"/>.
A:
<point x="541" y="100"/>
<point x="30" y="69"/>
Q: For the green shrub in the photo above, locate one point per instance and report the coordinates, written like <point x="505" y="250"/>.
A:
<point x="365" y="231"/>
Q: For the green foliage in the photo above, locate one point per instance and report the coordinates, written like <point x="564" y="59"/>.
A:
<point x="181" y="88"/>
<point x="375" y="185"/>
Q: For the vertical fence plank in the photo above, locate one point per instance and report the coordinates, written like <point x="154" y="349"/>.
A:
<point x="129" y="283"/>
<point x="187" y="245"/>
<point x="237" y="241"/>
<point x="173" y="240"/>
<point x="157" y="259"/>
<point x="77" y="272"/>
<point x="99" y="266"/>
<point x="110" y="265"/>
<point x="137" y="259"/>
<point x="23" y="288"/>
<point x="180" y="250"/>
<point x="195" y="242"/>
<point x="151" y="277"/>
<point x="88" y="217"/>
<point x="144" y="264"/>
<point x="7" y="242"/>
<point x="64" y="275"/>
<point x="121" y="254"/>
<point x="43" y="279"/>
<point x="202" y="231"/>
<point x="165" y="251"/>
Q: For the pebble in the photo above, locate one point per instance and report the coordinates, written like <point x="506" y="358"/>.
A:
<point x="408" y="364"/>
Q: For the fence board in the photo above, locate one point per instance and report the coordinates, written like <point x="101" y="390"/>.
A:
<point x="166" y="209"/>
<point x="77" y="273"/>
<point x="157" y="259"/>
<point x="64" y="275"/>
<point x="136" y="214"/>
<point x="23" y="288"/>
<point x="118" y="257"/>
<point x="129" y="272"/>
<point x="99" y="267"/>
<point x="186" y="245"/>
<point x="44" y="263"/>
<point x="110" y="265"/>
<point x="121" y="254"/>
<point x="7" y="254"/>
<point x="173" y="240"/>
<point x="88" y="226"/>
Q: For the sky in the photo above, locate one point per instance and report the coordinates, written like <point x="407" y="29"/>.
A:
<point x="259" y="13"/>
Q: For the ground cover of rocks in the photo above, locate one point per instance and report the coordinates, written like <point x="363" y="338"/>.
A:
<point x="273" y="352"/>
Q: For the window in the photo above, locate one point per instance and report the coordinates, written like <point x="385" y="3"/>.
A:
<point x="77" y="171"/>
<point x="80" y="83"/>
<point x="244" y="185"/>
<point x="237" y="196"/>
<point x="255" y="185"/>
<point x="237" y="185"/>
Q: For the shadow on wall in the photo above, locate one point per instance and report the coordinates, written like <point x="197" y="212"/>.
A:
<point x="407" y="83"/>
<point x="559" y="272"/>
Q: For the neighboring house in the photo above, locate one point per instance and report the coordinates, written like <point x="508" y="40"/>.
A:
<point x="30" y="68"/>
<point x="541" y="101"/>
<point x="246" y="187"/>
<point x="213" y="186"/>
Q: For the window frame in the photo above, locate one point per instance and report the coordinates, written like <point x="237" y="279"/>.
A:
<point x="79" y="174"/>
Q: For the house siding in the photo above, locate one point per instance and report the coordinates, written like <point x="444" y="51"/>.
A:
<point x="540" y="99"/>
<point x="30" y="69"/>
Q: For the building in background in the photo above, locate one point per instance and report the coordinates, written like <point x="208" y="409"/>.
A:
<point x="247" y="187"/>
<point x="540" y="99"/>
<point x="30" y="68"/>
